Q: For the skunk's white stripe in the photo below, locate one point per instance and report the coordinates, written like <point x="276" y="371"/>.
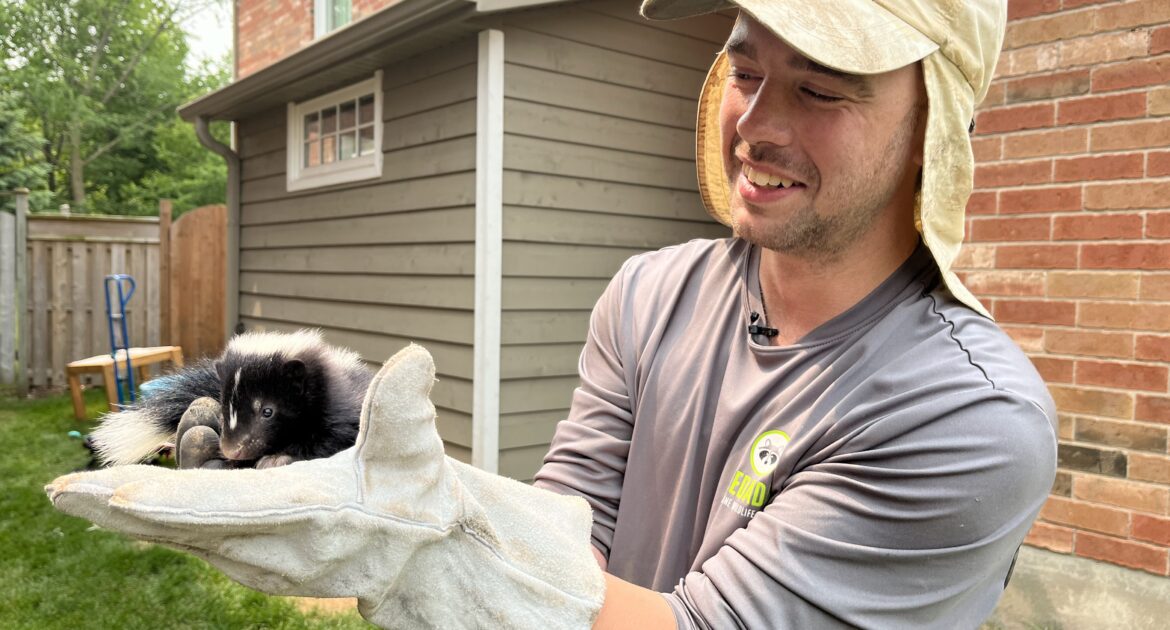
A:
<point x="128" y="437"/>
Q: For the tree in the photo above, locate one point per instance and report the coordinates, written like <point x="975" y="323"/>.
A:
<point x="20" y="166"/>
<point x="98" y="76"/>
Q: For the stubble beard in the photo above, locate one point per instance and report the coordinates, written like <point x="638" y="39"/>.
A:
<point x="821" y="237"/>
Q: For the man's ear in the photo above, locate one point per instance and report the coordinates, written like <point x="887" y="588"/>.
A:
<point x="293" y="372"/>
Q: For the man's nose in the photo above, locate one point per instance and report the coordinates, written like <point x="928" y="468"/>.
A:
<point x="768" y="117"/>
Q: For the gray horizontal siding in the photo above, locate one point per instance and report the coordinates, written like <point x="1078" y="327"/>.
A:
<point x="598" y="166"/>
<point x="381" y="263"/>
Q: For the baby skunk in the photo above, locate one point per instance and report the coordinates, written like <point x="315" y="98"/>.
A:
<point x="289" y="395"/>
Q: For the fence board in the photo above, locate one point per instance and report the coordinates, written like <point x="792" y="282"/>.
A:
<point x="7" y="306"/>
<point x="59" y="342"/>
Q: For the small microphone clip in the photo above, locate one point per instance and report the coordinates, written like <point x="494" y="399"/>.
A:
<point x="756" y="329"/>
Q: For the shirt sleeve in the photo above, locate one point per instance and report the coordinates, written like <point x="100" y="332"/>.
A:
<point x="911" y="521"/>
<point x="589" y="450"/>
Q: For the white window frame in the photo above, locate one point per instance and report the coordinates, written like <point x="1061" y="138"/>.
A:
<point x="300" y="177"/>
<point x="321" y="11"/>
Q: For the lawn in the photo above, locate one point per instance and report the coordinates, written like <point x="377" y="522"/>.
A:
<point x="57" y="571"/>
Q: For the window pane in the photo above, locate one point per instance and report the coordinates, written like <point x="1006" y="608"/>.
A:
<point x="366" y="140"/>
<point x="348" y="115"/>
<point x="367" y="109"/>
<point x="338" y="13"/>
<point x="329" y="120"/>
<point x="312" y="153"/>
<point x="311" y="131"/>
<point x="329" y="149"/>
<point x="348" y="145"/>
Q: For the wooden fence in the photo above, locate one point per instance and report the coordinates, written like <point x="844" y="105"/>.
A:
<point x="64" y="311"/>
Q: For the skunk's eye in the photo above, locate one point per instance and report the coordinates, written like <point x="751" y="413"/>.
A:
<point x="267" y="412"/>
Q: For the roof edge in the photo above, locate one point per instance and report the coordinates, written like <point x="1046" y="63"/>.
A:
<point x="407" y="16"/>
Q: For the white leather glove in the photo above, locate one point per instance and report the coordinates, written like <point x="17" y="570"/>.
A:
<point x="420" y="539"/>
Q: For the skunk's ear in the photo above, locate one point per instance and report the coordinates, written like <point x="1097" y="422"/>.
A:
<point x="219" y="371"/>
<point x="293" y="372"/>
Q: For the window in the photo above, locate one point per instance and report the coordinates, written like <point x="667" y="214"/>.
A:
<point x="330" y="15"/>
<point x="337" y="137"/>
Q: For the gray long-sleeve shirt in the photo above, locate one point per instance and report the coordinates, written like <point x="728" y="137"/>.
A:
<point x="881" y="472"/>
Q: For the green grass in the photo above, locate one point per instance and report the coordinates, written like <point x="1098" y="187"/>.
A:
<point x="58" y="572"/>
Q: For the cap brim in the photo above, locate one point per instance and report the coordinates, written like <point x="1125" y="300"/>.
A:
<point x="854" y="36"/>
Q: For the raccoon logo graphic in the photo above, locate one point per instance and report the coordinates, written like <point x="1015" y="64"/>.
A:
<point x="766" y="451"/>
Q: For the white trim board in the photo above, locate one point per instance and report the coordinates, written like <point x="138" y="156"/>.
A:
<point x="489" y="213"/>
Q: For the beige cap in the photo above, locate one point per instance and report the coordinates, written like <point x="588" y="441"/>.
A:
<point x="958" y="43"/>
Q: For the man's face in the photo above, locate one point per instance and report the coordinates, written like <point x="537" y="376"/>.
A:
<point x="815" y="156"/>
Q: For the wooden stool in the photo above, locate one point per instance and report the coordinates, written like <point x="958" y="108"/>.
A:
<point x="104" y="363"/>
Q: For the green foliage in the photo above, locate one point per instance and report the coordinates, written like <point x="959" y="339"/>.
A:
<point x="59" y="572"/>
<point x="20" y="166"/>
<point x="100" y="81"/>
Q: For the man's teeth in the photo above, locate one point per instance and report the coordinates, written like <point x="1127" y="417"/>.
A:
<point x="763" y="179"/>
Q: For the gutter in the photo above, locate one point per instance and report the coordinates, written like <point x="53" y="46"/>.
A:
<point x="232" y="271"/>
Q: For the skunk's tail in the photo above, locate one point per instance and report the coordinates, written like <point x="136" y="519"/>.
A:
<point x="139" y="430"/>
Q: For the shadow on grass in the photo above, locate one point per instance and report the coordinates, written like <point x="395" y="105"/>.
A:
<point x="57" y="572"/>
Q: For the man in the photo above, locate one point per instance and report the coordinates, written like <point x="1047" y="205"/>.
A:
<point x="876" y="457"/>
<point x="811" y="424"/>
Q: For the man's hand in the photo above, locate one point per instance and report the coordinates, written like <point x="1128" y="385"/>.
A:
<point x="421" y="540"/>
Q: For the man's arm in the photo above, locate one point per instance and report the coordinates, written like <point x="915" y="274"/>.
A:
<point x="628" y="606"/>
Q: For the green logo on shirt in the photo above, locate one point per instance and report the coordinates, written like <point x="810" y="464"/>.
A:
<point x="746" y="494"/>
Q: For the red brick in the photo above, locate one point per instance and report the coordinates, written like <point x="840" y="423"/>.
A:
<point x="1127" y="315"/>
<point x="1131" y="74"/>
<point x="987" y="149"/>
<point x="1123" y="375"/>
<point x="1133" y="135"/>
<point x="1152" y="409"/>
<point x="975" y="256"/>
<point x="1036" y="257"/>
<point x="1030" y="60"/>
<point x="1130" y="14"/>
<point x="1158" y="164"/>
<point x="1128" y="256"/>
<point x="1151" y="529"/>
<point x="1048" y="29"/>
<point x="1066" y="429"/>
<point x="1046" y="86"/>
<point x="1104" y="48"/>
<point x="1146" y="194"/>
<point x="1013" y="174"/>
<point x="994" y="96"/>
<point x="1121" y="434"/>
<point x="982" y="202"/>
<point x="1015" y="118"/>
<point x="1121" y="166"/>
<point x="1153" y="347"/>
<point x="1097" y="227"/>
<point x="1062" y="199"/>
<point x="1012" y="229"/>
<point x="1054" y="370"/>
<point x="1121" y="493"/>
<point x="1153" y="468"/>
<point x="1158" y="225"/>
<point x="1123" y="552"/>
<point x="1160" y="41"/>
<point x="1092" y="284"/>
<point x="1037" y="143"/>
<point x="1028" y="338"/>
<point x="1009" y="283"/>
<point x="1035" y="312"/>
<point x="1027" y="8"/>
<point x="1050" y="537"/>
<point x="1072" y="4"/>
<point x="1155" y="287"/>
<point x="1089" y="343"/>
<point x="1085" y="516"/>
<point x="1097" y="108"/>
<point x="1092" y="401"/>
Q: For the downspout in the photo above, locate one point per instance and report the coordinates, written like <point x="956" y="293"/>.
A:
<point x="232" y="280"/>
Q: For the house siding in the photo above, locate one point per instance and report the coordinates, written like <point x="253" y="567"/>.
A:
<point x="598" y="166"/>
<point x="380" y="263"/>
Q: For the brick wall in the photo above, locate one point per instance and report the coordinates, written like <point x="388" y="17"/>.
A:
<point x="1069" y="246"/>
<point x="269" y="30"/>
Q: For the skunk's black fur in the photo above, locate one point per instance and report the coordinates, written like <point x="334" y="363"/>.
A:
<point x="281" y="394"/>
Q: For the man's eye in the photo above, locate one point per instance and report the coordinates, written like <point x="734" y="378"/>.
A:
<point x="821" y="97"/>
<point x="742" y="76"/>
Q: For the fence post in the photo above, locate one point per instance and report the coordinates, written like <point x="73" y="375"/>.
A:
<point x="20" y="366"/>
<point x="164" y="265"/>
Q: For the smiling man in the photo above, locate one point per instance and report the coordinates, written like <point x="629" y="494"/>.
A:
<point x="813" y="424"/>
